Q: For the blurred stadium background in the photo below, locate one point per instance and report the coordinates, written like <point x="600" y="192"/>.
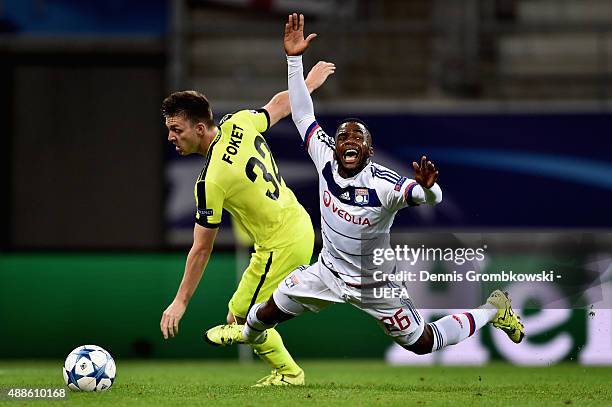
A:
<point x="512" y="99"/>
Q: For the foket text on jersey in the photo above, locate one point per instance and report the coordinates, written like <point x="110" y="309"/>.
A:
<point x="234" y="144"/>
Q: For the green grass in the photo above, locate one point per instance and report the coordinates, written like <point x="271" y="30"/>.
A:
<point x="335" y="383"/>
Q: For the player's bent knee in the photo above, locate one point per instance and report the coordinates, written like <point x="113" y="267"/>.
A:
<point x="419" y="349"/>
<point x="286" y="305"/>
<point x="424" y="344"/>
<point x="269" y="313"/>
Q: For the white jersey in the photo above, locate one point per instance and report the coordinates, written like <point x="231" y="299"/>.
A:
<point x="357" y="212"/>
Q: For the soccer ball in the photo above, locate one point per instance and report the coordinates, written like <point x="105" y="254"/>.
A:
<point x="89" y="368"/>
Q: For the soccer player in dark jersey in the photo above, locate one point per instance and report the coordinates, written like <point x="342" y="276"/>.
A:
<point x="241" y="176"/>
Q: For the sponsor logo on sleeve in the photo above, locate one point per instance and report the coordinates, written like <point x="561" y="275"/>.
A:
<point x="205" y="212"/>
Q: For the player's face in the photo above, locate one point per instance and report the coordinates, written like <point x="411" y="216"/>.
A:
<point x="183" y="134"/>
<point x="353" y="147"/>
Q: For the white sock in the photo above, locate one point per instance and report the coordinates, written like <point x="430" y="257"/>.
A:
<point x="254" y="330"/>
<point x="453" y="329"/>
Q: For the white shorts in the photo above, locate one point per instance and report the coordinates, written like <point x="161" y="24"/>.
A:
<point x="312" y="288"/>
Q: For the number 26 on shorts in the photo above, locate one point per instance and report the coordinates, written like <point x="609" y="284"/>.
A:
<point x="398" y="322"/>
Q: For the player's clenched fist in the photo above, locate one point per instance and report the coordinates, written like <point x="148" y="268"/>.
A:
<point x="294" y="41"/>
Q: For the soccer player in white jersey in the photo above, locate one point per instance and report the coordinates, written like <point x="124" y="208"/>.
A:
<point x="358" y="202"/>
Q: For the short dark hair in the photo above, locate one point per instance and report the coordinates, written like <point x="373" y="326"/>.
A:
<point x="355" y="120"/>
<point x="190" y="104"/>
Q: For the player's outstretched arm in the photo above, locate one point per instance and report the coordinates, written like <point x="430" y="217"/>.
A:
<point x="203" y="239"/>
<point x="302" y="109"/>
<point x="279" y="107"/>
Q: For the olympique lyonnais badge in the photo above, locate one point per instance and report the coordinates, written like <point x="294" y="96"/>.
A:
<point x="292" y="281"/>
<point x="362" y="196"/>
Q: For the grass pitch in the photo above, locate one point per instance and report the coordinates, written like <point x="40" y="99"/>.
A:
<point x="329" y="383"/>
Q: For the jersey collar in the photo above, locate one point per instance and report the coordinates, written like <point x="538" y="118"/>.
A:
<point x="343" y="182"/>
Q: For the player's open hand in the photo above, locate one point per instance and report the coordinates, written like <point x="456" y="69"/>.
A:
<point x="294" y="41"/>
<point x="426" y="173"/>
<point x="319" y="73"/>
<point x="171" y="317"/>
